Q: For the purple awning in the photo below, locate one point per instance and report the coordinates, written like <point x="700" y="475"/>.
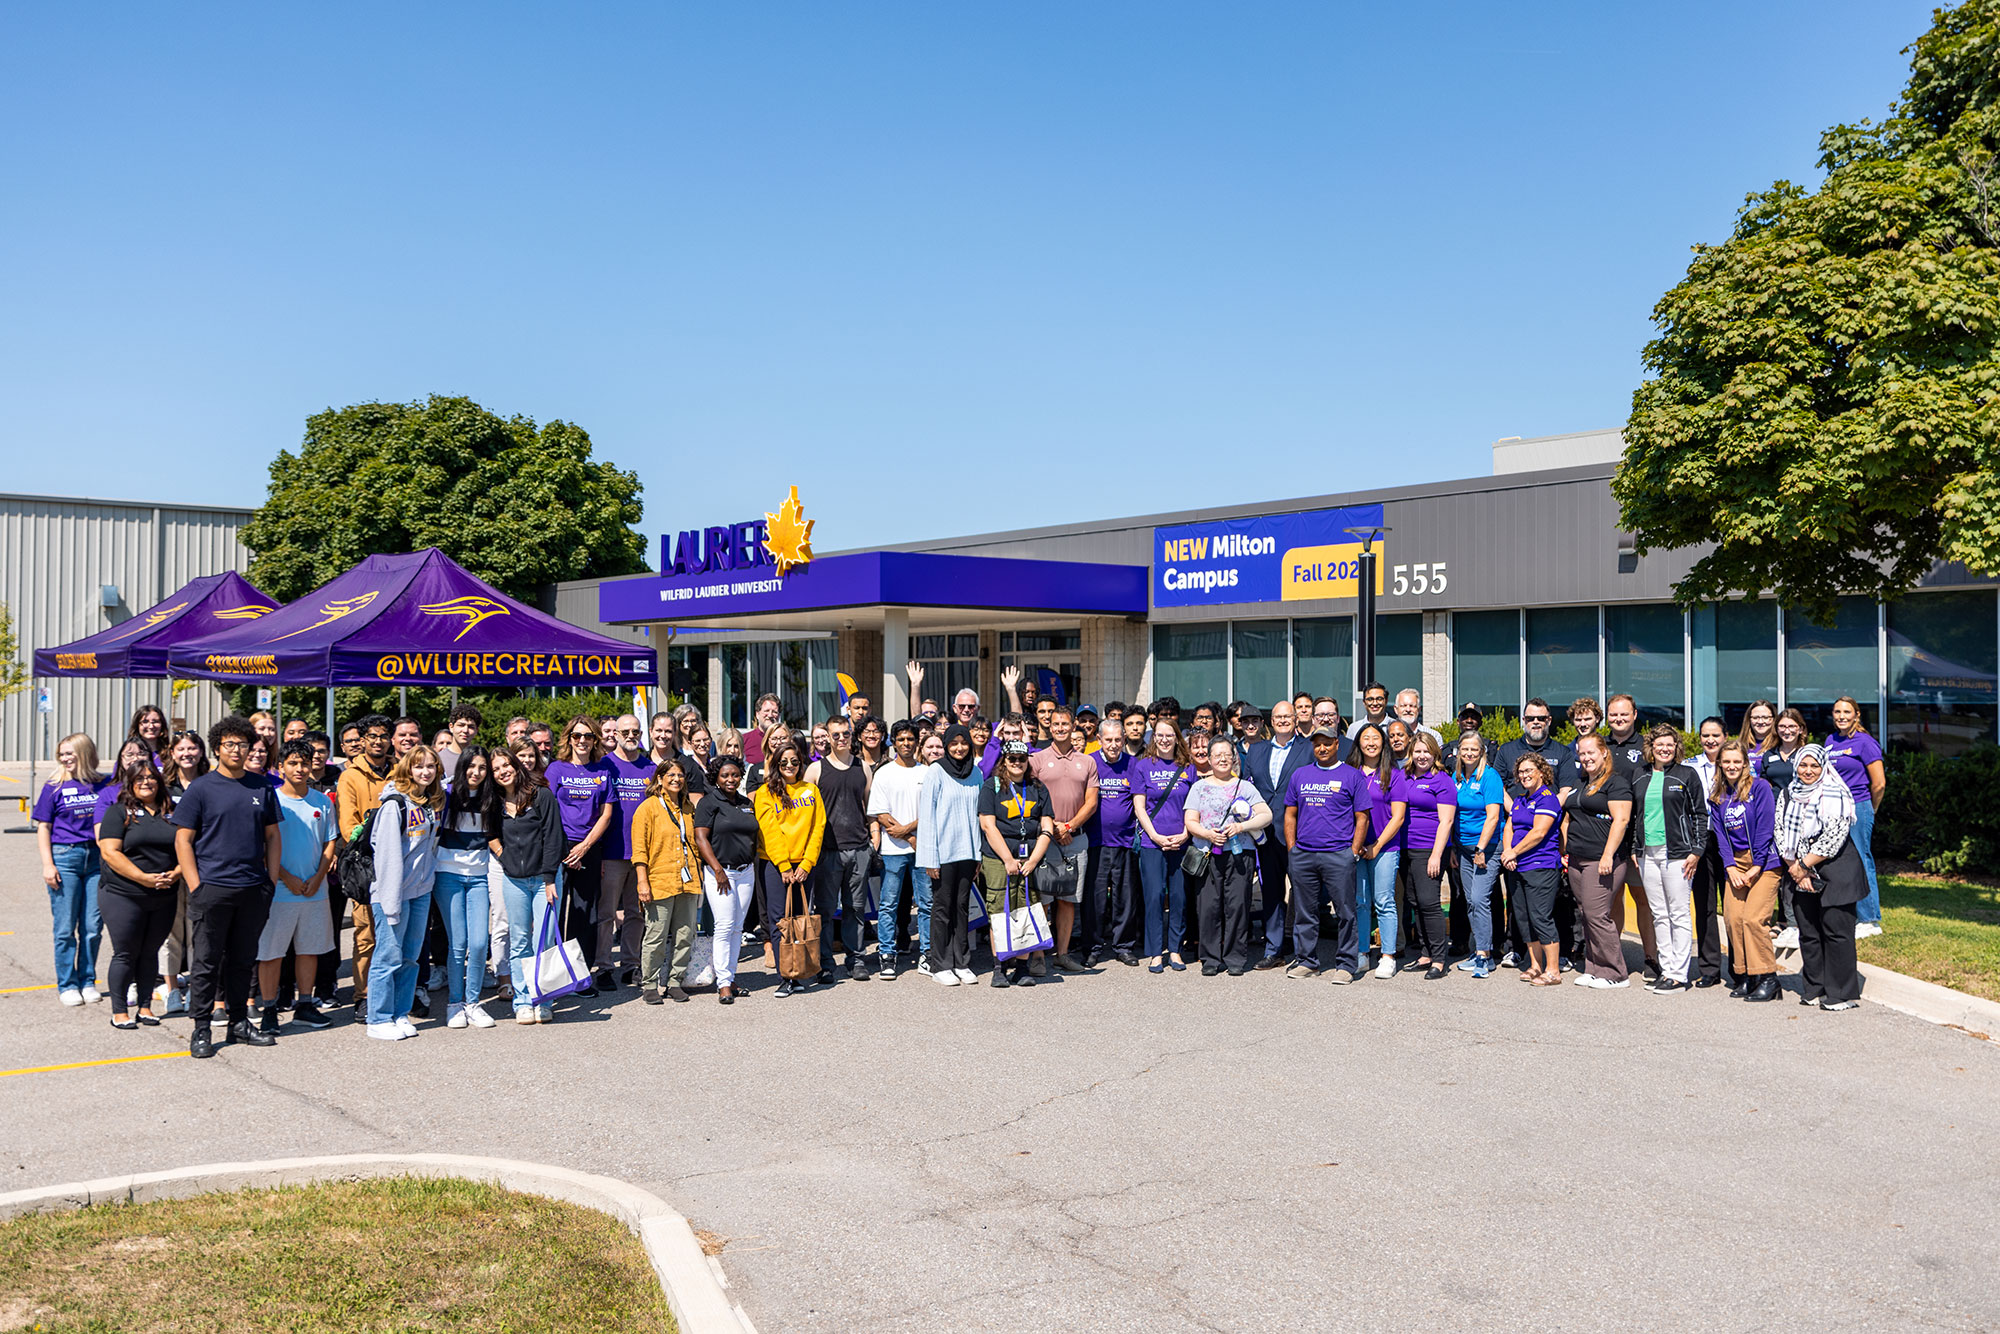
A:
<point x="416" y="619"/>
<point x="140" y="646"/>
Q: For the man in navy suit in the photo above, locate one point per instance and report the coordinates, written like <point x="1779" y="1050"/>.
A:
<point x="1269" y="764"/>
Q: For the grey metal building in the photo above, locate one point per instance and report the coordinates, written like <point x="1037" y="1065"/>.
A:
<point x="70" y="567"/>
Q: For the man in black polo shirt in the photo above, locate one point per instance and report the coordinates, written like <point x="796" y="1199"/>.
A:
<point x="228" y="847"/>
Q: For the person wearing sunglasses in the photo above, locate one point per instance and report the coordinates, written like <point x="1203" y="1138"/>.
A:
<point x="622" y="918"/>
<point x="582" y="782"/>
<point x="791" y="818"/>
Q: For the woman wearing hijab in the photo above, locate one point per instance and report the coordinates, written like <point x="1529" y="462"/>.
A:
<point x="948" y="852"/>
<point x="1814" y="819"/>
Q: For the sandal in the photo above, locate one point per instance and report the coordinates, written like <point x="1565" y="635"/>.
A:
<point x="1548" y="981"/>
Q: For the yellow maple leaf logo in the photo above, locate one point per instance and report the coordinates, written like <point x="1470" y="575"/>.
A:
<point x="789" y="535"/>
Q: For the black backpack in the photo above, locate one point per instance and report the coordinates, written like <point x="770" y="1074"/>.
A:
<point x="354" y="868"/>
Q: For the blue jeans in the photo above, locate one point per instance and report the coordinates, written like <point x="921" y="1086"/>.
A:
<point x="1477" y="886"/>
<point x="73" y="910"/>
<point x="465" y="904"/>
<point x="1375" y="897"/>
<point x="899" y="873"/>
<point x="1161" y="885"/>
<point x="392" y="973"/>
<point x="1863" y="834"/>
<point x="528" y="909"/>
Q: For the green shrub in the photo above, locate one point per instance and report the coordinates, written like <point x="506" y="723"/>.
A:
<point x="1942" y="811"/>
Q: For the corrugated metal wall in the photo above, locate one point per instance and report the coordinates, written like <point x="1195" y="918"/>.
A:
<point x="55" y="556"/>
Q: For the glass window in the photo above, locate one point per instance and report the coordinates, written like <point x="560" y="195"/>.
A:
<point x="1824" y="662"/>
<point x="1735" y="658"/>
<point x="794" y="684"/>
<point x="822" y="659"/>
<point x="1942" y="665"/>
<point x="927" y="646"/>
<point x="1642" y="658"/>
<point x="1486" y="660"/>
<point x="1562" y="654"/>
<point x="1044" y="641"/>
<point x="736" y="684"/>
<point x="1324" y="661"/>
<point x="963" y="675"/>
<point x="1399" y="655"/>
<point x="1263" y="659"/>
<point x="1190" y="662"/>
<point x="965" y="646"/>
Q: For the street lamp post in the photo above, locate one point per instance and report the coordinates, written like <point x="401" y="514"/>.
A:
<point x="1364" y="610"/>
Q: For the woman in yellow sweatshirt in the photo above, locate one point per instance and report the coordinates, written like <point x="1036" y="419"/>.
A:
<point x="791" y="822"/>
<point x="668" y="863"/>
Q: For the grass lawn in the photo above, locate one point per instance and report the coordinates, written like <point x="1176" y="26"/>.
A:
<point x="392" y="1254"/>
<point x="1943" y="931"/>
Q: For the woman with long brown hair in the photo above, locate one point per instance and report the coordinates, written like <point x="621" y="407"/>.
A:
<point x="65" y="817"/>
<point x="404" y="839"/>
<point x="791" y="821"/>
<point x="581" y="780"/>
<point x="137" y="897"/>
<point x="1743" y="814"/>
<point x="1595" y="818"/>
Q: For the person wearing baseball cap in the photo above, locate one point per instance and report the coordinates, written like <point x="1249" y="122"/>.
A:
<point x="1326" y="825"/>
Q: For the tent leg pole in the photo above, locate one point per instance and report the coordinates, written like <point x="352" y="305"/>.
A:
<point x="403" y="700"/>
<point x="128" y="703"/>
<point x="331" y="729"/>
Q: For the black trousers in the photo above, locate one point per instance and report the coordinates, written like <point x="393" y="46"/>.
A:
<point x="1273" y="864"/>
<point x="1427" y="895"/>
<point x="223" y="926"/>
<point x="1827" y="965"/>
<point x="580" y="918"/>
<point x="950" y="897"/>
<point x="1110" y="917"/>
<point x="1222" y="901"/>
<point x="139" y="922"/>
<point x="1711" y="949"/>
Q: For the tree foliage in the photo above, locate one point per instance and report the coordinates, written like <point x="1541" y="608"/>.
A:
<point x="1822" y="395"/>
<point x="13" y="672"/>
<point x="520" y="506"/>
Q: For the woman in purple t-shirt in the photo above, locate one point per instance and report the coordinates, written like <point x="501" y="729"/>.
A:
<point x="1856" y="758"/>
<point x="1529" y="849"/>
<point x="66" y="829"/>
<point x="1159" y="784"/>
<point x="1430" y="796"/>
<point x="582" y="785"/>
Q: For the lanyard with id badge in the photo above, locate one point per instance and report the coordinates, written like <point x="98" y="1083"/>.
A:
<point x="687" y="842"/>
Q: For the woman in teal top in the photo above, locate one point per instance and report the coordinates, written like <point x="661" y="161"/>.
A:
<point x="1475" y="863"/>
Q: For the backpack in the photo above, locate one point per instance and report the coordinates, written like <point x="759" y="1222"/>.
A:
<point x="354" y="868"/>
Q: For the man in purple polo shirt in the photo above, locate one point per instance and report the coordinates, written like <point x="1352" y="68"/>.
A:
<point x="1326" y="824"/>
<point x="620" y="917"/>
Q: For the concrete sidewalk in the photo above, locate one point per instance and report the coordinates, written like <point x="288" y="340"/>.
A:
<point x="1174" y="1152"/>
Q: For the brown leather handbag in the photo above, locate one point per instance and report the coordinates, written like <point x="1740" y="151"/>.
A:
<point x="798" y="937"/>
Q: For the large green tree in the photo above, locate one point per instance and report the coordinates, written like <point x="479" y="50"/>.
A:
<point x="1822" y="395"/>
<point x="521" y="506"/>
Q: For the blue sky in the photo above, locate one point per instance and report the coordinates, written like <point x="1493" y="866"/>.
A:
<point x="946" y="267"/>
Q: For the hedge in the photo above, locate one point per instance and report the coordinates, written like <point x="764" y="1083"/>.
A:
<point x="1942" y="811"/>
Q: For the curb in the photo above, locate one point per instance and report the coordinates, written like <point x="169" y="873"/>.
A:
<point x="1927" y="1000"/>
<point x="694" y="1284"/>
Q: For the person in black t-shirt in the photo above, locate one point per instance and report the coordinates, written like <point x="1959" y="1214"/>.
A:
<point x="725" y="833"/>
<point x="227" y="846"/>
<point x="1596" y="815"/>
<point x="1018" y="826"/>
<point x="140" y="894"/>
<point x="841" y="878"/>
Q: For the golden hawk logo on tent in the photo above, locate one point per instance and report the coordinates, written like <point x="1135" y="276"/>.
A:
<point x="249" y="611"/>
<point x="152" y="619"/>
<point x="333" y="611"/>
<point x="473" y="607"/>
<point x="789" y="535"/>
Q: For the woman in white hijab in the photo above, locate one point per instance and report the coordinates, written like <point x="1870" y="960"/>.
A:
<point x="1815" y="814"/>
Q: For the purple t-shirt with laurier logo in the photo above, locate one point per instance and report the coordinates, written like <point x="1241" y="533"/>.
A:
<point x="628" y="789"/>
<point x="1851" y="756"/>
<point x="1424" y="796"/>
<point x="1521" y="814"/>
<point x="1326" y="801"/>
<point x="68" y="807"/>
<point x="1113" y="824"/>
<point x="581" y="791"/>
<point x="1150" y="776"/>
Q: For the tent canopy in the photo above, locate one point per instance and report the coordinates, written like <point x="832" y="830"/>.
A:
<point x="416" y="619"/>
<point x="140" y="646"/>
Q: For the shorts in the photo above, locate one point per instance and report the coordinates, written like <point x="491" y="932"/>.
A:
<point x="993" y="887"/>
<point x="1059" y="879"/>
<point x="305" y="925"/>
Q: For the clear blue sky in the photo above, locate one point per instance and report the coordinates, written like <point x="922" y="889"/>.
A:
<point x="1130" y="256"/>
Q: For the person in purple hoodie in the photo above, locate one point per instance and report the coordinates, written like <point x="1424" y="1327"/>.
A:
<point x="621" y="919"/>
<point x="65" y="817"/>
<point x="1856" y="758"/>
<point x="1326" y="826"/>
<point x="582" y="784"/>
<point x="1743" y="811"/>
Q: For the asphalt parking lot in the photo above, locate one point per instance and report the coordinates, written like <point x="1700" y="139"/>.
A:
<point x="1123" y="1149"/>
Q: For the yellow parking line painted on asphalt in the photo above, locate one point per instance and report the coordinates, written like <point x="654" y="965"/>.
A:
<point x="79" y="1065"/>
<point x="46" y="986"/>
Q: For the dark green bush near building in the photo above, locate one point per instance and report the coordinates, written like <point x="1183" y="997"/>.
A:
<point x="1942" y="811"/>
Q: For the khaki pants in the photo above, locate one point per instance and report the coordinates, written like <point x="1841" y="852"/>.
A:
<point x="1747" y="914"/>
<point x="671" y="919"/>
<point x="364" y="949"/>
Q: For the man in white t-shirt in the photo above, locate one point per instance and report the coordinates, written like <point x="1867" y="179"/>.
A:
<point x="893" y="794"/>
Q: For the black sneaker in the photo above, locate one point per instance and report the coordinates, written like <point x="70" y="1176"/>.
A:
<point x="857" y="971"/>
<point x="786" y="987"/>
<point x="201" y="1046"/>
<point x="1024" y="977"/>
<point x="677" y="994"/>
<point x="244" y="1032"/>
<point x="1038" y="967"/>
<point x="1000" y="978"/>
<point x="607" y="981"/>
<point x="1268" y="962"/>
<point x="269" y="1023"/>
<point x="307" y="1015"/>
<point x="1129" y="959"/>
<point x="1652" y="970"/>
<point x="827" y="977"/>
<point x="1210" y="969"/>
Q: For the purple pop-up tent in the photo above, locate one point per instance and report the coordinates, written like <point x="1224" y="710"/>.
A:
<point x="412" y="620"/>
<point x="140" y="646"/>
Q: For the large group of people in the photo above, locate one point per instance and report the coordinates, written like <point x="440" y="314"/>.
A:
<point x="661" y="855"/>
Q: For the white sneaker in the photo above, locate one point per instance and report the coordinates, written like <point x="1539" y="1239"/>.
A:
<point x="476" y="1016"/>
<point x="945" y="978"/>
<point x="454" y="1016"/>
<point x="1594" y="982"/>
<point x="1621" y="982"/>
<point x="70" y="996"/>
<point x="386" y="1032"/>
<point x="1386" y="968"/>
<point x="405" y="1027"/>
<point x="1510" y="960"/>
<point x="132" y="996"/>
<point x="437" y="978"/>
<point x="545" y="1014"/>
<point x="967" y="977"/>
<point x="527" y="1016"/>
<point x="1788" y="939"/>
<point x="1584" y="980"/>
<point x="1862" y="930"/>
<point x="924" y="965"/>
<point x="176" y="1001"/>
<point x="93" y="995"/>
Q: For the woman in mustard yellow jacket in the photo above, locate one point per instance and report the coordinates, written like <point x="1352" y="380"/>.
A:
<point x="668" y="863"/>
<point x="791" y="824"/>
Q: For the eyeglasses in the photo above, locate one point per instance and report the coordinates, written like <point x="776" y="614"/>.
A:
<point x="628" y="731"/>
<point x="231" y="743"/>
<point x="583" y="736"/>
<point x="1534" y="717"/>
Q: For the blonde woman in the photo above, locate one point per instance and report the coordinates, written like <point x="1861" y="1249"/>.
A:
<point x="65" y="818"/>
<point x="404" y="838"/>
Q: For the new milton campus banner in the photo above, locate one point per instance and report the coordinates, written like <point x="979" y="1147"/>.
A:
<point x="413" y="620"/>
<point x="1262" y="558"/>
